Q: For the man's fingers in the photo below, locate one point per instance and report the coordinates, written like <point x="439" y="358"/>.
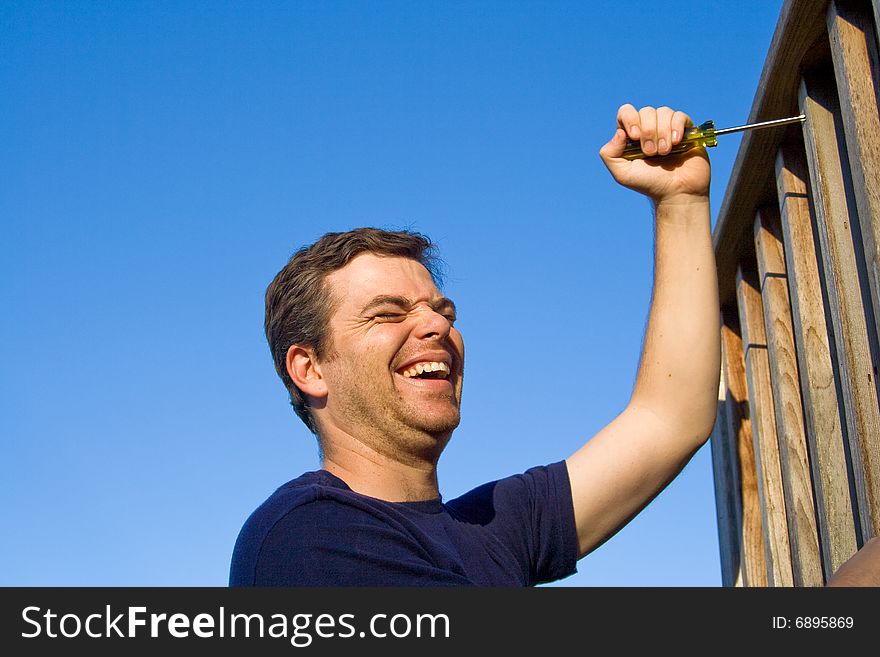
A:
<point x="628" y="119"/>
<point x="657" y="129"/>
<point x="648" y="127"/>
<point x="680" y="123"/>
<point x="614" y="148"/>
<point x="664" y="130"/>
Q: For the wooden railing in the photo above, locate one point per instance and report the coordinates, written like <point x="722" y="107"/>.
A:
<point x="796" y="445"/>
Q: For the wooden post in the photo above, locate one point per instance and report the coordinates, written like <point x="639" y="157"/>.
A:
<point x="796" y="477"/>
<point x="777" y="549"/>
<point x="854" y="53"/>
<point x="835" y="216"/>
<point x="739" y="429"/>
<point x="728" y="503"/>
<point x="822" y="412"/>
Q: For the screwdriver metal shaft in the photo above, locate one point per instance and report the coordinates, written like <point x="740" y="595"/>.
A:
<point x="763" y="124"/>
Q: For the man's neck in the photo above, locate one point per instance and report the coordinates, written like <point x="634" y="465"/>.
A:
<point x="376" y="472"/>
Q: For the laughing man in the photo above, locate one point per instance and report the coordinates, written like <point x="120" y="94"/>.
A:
<point x="366" y="344"/>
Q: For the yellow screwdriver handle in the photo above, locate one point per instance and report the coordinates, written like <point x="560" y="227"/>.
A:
<point x="701" y="135"/>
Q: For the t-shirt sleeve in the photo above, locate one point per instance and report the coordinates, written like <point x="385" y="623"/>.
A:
<point x="324" y="543"/>
<point x="533" y="514"/>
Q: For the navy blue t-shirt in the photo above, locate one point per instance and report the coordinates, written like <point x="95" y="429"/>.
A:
<point x="316" y="531"/>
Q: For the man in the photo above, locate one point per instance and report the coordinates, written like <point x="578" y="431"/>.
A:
<point x="366" y="345"/>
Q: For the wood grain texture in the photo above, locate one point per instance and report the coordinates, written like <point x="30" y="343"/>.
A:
<point x="739" y="429"/>
<point x="768" y="470"/>
<point x="822" y="411"/>
<point x="835" y="215"/>
<point x="797" y="479"/>
<point x="854" y="53"/>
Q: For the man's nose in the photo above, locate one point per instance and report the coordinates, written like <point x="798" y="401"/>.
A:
<point x="431" y="324"/>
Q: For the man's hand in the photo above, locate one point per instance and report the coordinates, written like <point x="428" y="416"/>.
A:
<point x="678" y="179"/>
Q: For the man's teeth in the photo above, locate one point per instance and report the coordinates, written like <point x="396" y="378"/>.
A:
<point x="432" y="366"/>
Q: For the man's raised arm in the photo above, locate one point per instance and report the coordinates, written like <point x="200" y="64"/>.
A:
<point x="674" y="400"/>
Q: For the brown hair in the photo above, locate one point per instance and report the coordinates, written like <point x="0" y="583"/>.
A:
<point x="299" y="305"/>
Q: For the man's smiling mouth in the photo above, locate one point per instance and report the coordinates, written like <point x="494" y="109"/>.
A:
<point x="426" y="370"/>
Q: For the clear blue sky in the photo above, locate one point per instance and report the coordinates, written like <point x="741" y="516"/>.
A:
<point x="160" y="162"/>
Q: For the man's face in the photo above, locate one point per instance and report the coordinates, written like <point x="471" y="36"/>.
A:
<point x="396" y="369"/>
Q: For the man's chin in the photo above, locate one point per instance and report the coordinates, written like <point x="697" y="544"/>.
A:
<point x="439" y="423"/>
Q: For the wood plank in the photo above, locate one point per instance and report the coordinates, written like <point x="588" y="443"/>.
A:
<point x="801" y="24"/>
<point x="774" y="519"/>
<point x="725" y="476"/>
<point x="822" y="410"/>
<point x="797" y="479"/>
<point x="854" y="53"/>
<point x="739" y="428"/>
<point x="835" y="215"/>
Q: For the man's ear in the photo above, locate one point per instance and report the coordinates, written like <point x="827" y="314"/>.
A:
<point x="305" y="372"/>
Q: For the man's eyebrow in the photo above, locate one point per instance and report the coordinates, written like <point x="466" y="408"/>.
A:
<point x="443" y="301"/>
<point x="404" y="302"/>
<point x="386" y="299"/>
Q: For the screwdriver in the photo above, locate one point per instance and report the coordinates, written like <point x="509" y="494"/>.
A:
<point x="704" y="135"/>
